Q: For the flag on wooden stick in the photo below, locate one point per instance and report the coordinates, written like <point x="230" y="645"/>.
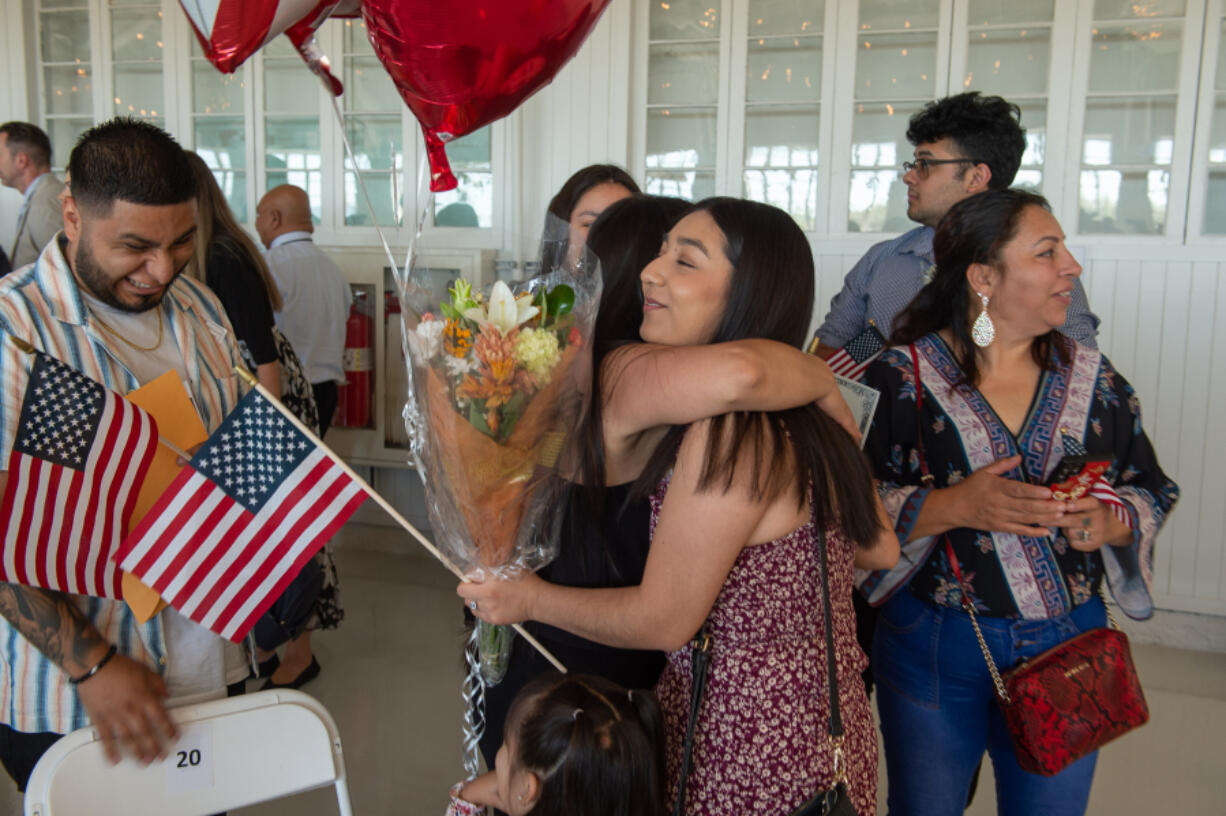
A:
<point x="80" y="452"/>
<point x="240" y="521"/>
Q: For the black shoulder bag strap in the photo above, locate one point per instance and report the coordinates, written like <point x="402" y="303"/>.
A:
<point x="700" y="657"/>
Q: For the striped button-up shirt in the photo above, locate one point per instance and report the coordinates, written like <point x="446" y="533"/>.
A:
<point x="42" y="305"/>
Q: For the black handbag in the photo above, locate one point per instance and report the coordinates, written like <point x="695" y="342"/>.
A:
<point x="832" y="802"/>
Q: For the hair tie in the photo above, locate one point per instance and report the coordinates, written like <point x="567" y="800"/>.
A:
<point x="574" y="715"/>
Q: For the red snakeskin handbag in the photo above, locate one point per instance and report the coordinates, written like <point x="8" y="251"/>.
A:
<point x="1068" y="701"/>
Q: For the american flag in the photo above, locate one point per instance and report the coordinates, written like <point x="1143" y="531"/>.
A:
<point x="80" y="452"/>
<point x="851" y="360"/>
<point x="1101" y="489"/>
<point x="240" y="521"/>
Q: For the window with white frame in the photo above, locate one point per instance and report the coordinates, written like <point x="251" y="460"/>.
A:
<point x="1128" y="133"/>
<point x="269" y="123"/>
<point x="1214" y="192"/>
<point x="1103" y="87"/>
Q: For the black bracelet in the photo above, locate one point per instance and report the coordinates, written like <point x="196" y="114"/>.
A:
<point x="106" y="658"/>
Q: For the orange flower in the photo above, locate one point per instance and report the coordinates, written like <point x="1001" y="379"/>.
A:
<point x="495" y="374"/>
<point x="457" y="340"/>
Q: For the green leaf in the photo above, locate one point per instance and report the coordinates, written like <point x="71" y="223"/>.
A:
<point x="562" y="299"/>
<point x="476" y="416"/>
<point x="511" y="413"/>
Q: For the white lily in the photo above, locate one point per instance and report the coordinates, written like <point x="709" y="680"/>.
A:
<point x="504" y="311"/>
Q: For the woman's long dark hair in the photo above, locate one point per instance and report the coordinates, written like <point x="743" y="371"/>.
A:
<point x="596" y="747"/>
<point x="626" y="237"/>
<point x="770" y="296"/>
<point x="975" y="230"/>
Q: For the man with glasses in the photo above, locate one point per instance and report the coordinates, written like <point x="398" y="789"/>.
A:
<point x="964" y="144"/>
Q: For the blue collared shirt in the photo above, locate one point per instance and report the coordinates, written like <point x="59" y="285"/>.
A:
<point x="890" y="275"/>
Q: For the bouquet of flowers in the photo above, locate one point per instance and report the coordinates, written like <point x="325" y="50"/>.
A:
<point x="498" y="379"/>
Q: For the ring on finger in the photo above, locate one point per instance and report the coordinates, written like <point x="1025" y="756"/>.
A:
<point x="472" y="605"/>
<point x="1085" y="535"/>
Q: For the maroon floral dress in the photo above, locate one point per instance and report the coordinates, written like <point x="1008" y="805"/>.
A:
<point x="761" y="743"/>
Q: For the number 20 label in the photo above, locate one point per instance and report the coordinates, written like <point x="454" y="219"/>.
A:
<point x="190" y="763"/>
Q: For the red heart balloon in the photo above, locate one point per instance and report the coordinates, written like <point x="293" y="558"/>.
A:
<point x="461" y="64"/>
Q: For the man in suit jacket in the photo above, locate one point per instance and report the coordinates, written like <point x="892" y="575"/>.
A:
<point x="25" y="165"/>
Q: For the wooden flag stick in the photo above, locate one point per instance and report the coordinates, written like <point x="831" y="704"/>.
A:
<point x="391" y="511"/>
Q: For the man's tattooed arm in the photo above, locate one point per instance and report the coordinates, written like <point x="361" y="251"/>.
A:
<point x="54" y="624"/>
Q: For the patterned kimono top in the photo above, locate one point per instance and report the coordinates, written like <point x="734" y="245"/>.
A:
<point x="1083" y="406"/>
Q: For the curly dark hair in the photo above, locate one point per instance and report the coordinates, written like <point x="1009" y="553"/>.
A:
<point x="987" y="128"/>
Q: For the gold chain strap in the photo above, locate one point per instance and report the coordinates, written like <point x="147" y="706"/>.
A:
<point x="983" y="644"/>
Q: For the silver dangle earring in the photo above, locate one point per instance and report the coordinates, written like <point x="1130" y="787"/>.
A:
<point x="983" y="332"/>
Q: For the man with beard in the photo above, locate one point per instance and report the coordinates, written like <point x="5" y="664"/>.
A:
<point x="106" y="297"/>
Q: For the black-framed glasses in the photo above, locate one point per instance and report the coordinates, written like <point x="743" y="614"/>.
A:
<point x="923" y="166"/>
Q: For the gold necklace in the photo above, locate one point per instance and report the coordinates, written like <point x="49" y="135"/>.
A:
<point x="125" y="340"/>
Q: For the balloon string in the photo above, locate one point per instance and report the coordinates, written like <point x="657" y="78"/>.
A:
<point x="370" y="207"/>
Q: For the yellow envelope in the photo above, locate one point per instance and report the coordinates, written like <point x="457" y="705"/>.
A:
<point x="167" y="400"/>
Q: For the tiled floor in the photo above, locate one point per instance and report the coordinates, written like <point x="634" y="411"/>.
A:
<point x="391" y="678"/>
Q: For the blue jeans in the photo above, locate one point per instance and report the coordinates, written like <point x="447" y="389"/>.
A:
<point x="939" y="711"/>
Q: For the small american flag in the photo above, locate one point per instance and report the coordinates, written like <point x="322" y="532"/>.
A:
<point x="79" y="455"/>
<point x="851" y="360"/>
<point x="240" y="521"/>
<point x="1101" y="489"/>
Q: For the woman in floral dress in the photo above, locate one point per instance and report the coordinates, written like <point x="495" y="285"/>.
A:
<point x="738" y="504"/>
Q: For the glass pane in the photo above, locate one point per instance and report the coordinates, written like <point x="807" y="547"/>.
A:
<point x="472" y="200"/>
<point x="683" y="74"/>
<point x="138" y="90"/>
<point x="877" y="202"/>
<point x="281" y="48"/>
<point x="1215" y="203"/>
<point x="376" y="141"/>
<point x="784" y="70"/>
<point x="1127" y="9"/>
<point x="1131" y="58"/>
<point x="899" y="14"/>
<point x="63" y="134"/>
<point x="786" y="17"/>
<point x="471" y="152"/>
<point x="781" y="137"/>
<point x="1034" y="121"/>
<point x="57" y="4"/>
<point x="684" y="20"/>
<point x="694" y="185"/>
<point x="65" y="36"/>
<point x="793" y="191"/>
<point x="290" y="87"/>
<point x="291" y="155"/>
<point x="1130" y="202"/>
<point x="1217" y="133"/>
<point x="356" y="41"/>
<point x="1008" y="62"/>
<point x="215" y="92"/>
<point x="136" y="34"/>
<point x="681" y="137"/>
<point x="892" y="65"/>
<point x="1029" y="179"/>
<point x="1120" y="130"/>
<point x="999" y="12"/>
<point x="384" y="190"/>
<point x="1220" y="83"/>
<point x="368" y="87"/>
<point x="879" y="135"/>
<point x="233" y="184"/>
<point x="68" y="89"/>
<point x="222" y="142"/>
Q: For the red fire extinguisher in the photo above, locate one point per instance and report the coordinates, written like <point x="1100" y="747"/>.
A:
<point x="354" y="397"/>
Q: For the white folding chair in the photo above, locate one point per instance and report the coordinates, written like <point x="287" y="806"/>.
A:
<point x="231" y="753"/>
